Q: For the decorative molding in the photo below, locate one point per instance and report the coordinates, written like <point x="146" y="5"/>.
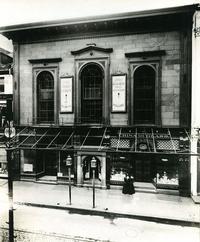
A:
<point x="145" y="54"/>
<point x="92" y="48"/>
<point x="64" y="74"/>
<point x="47" y="60"/>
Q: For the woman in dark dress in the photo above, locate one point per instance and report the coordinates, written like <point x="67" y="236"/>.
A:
<point x="128" y="186"/>
<point x="131" y="185"/>
<point x="125" y="189"/>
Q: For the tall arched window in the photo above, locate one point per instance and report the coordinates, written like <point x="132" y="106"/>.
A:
<point x="45" y="97"/>
<point x="91" y="94"/>
<point x="144" y="95"/>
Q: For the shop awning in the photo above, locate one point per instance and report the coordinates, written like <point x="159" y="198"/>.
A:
<point x="104" y="139"/>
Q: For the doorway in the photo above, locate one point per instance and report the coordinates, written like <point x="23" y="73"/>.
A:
<point x="91" y="78"/>
<point x="87" y="170"/>
<point x="50" y="162"/>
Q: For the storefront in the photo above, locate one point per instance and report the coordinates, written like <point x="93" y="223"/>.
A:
<point x="157" y="156"/>
<point x="116" y="88"/>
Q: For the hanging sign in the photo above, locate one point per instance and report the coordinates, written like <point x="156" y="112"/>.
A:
<point x="119" y="93"/>
<point x="66" y="92"/>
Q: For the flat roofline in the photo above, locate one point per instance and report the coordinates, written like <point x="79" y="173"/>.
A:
<point x="99" y="18"/>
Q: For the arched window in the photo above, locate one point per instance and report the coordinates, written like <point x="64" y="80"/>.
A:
<point x="91" y="94"/>
<point x="45" y="97"/>
<point x="144" y="95"/>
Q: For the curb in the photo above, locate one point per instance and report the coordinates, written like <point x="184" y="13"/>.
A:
<point x="113" y="215"/>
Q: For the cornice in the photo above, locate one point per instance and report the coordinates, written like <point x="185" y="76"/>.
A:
<point x="47" y="60"/>
<point x="135" y="22"/>
<point x="100" y="18"/>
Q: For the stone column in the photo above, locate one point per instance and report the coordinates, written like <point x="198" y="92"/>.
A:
<point x="79" y="171"/>
<point x="103" y="171"/>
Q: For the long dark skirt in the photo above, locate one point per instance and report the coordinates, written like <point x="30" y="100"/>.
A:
<point x="125" y="189"/>
<point x="128" y="187"/>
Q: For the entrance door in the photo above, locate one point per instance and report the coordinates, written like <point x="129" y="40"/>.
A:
<point x="87" y="170"/>
<point x="91" y="94"/>
<point x="143" y="170"/>
<point x="50" y="159"/>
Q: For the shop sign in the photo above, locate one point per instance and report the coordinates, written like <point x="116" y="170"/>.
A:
<point x="119" y="93"/>
<point x="145" y="135"/>
<point x="66" y="94"/>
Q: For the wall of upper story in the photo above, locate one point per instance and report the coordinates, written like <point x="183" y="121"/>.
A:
<point x="170" y="66"/>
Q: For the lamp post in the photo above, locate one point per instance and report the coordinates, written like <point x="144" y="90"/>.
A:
<point x="9" y="133"/>
<point x="93" y="166"/>
<point x="69" y="164"/>
<point x="10" y="196"/>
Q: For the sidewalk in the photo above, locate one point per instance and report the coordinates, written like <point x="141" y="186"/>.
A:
<point x="162" y="208"/>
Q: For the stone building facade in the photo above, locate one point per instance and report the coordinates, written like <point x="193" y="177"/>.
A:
<point x="126" y="76"/>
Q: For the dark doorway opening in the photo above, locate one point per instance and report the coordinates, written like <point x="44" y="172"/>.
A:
<point x="50" y="161"/>
<point x="143" y="170"/>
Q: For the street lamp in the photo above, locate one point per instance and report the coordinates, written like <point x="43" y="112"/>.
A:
<point x="93" y="167"/>
<point x="69" y="164"/>
<point x="10" y="195"/>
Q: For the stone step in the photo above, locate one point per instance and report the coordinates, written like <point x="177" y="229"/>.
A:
<point x="46" y="182"/>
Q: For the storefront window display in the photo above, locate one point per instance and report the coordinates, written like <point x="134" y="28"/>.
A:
<point x="28" y="158"/>
<point x="120" y="166"/>
<point x="167" y="173"/>
<point x="3" y="163"/>
<point x="3" y="169"/>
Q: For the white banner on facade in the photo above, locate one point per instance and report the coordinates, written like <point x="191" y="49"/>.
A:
<point x="66" y="90"/>
<point x="119" y="93"/>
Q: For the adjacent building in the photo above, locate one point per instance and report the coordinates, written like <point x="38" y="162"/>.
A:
<point x="6" y="82"/>
<point x="115" y="89"/>
<point x="6" y="91"/>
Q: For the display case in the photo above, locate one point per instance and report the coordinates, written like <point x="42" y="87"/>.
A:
<point x="166" y="173"/>
<point x="28" y="162"/>
<point x="3" y="163"/>
<point x="3" y="169"/>
<point x="120" y="166"/>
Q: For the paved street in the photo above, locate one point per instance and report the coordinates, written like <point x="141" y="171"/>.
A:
<point x="162" y="206"/>
<point x="63" y="226"/>
<point x="35" y="224"/>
